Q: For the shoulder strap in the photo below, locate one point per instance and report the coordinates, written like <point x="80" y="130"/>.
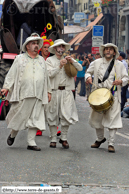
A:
<point x="107" y="73"/>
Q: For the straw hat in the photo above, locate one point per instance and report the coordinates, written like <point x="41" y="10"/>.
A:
<point x="35" y="34"/>
<point x="101" y="49"/>
<point x="32" y="38"/>
<point x="57" y="43"/>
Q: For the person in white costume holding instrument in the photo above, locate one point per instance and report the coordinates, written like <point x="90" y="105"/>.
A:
<point x="107" y="72"/>
<point x="28" y="87"/>
<point x="62" y="109"/>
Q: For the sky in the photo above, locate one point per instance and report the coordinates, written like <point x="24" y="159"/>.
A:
<point x="1" y="1"/>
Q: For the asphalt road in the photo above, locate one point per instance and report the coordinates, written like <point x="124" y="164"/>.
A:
<point x="79" y="164"/>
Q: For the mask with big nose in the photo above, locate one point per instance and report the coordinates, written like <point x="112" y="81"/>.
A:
<point x="36" y="48"/>
<point x="60" y="49"/>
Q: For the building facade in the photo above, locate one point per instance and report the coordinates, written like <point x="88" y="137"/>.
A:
<point x="126" y="19"/>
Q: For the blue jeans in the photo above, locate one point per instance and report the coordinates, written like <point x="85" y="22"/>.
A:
<point x="123" y="96"/>
<point x="125" y="112"/>
<point x="83" y="89"/>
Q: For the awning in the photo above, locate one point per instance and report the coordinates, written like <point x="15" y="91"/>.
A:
<point x="75" y="29"/>
<point x="79" y="37"/>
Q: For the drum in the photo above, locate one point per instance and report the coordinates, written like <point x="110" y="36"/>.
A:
<point x="101" y="100"/>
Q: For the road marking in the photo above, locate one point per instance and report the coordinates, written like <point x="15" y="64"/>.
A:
<point x="127" y="134"/>
<point x="123" y="144"/>
<point x="122" y="135"/>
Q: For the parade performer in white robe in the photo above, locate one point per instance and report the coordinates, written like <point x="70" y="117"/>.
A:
<point x="28" y="87"/>
<point x="62" y="109"/>
<point x="117" y="77"/>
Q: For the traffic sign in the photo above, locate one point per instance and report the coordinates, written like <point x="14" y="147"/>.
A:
<point x="97" y="43"/>
<point x="97" y="38"/>
<point x="98" y="30"/>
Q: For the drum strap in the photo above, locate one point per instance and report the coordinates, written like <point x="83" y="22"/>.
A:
<point x="107" y="73"/>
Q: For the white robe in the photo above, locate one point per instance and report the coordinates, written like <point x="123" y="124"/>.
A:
<point x="27" y="113"/>
<point x="112" y="118"/>
<point x="28" y="85"/>
<point x="62" y="108"/>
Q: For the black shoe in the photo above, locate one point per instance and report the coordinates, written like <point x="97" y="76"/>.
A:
<point x="64" y="144"/>
<point x="98" y="143"/>
<point x="35" y="148"/>
<point x="111" y="149"/>
<point x="10" y="140"/>
<point x="53" y="145"/>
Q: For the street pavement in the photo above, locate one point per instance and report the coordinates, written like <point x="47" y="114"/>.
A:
<point x="79" y="169"/>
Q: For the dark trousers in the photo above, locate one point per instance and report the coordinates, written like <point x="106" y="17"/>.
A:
<point x="123" y="96"/>
<point x="74" y="94"/>
<point x="125" y="112"/>
<point x="83" y="89"/>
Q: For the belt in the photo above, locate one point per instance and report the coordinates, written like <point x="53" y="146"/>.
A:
<point x="61" y="88"/>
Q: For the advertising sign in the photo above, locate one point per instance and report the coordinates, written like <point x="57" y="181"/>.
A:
<point x="95" y="1"/>
<point x="78" y="16"/>
<point x="99" y="10"/>
<point x="57" y="2"/>
<point x="95" y="50"/>
<point x="0" y="10"/>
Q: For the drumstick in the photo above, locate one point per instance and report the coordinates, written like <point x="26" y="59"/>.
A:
<point x="110" y="88"/>
<point x="94" y="84"/>
<point x="108" y="91"/>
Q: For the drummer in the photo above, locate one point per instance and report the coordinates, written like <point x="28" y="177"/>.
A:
<point x="107" y="72"/>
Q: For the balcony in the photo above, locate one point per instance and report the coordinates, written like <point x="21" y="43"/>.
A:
<point x="109" y="7"/>
<point x="108" y="2"/>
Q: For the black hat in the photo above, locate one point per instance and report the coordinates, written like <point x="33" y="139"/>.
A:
<point x="122" y="54"/>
